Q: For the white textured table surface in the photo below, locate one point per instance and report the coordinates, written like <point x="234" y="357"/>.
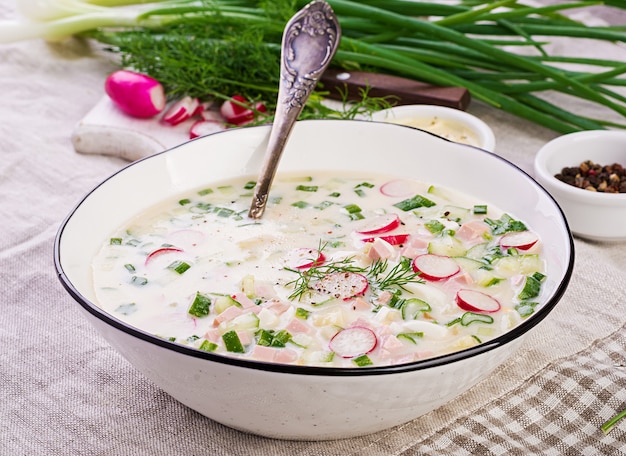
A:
<point x="63" y="390"/>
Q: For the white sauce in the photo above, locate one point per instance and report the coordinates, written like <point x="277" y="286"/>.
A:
<point x="449" y="129"/>
<point x="226" y="254"/>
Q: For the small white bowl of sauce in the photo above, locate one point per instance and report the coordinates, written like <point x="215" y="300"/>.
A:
<point x="449" y="123"/>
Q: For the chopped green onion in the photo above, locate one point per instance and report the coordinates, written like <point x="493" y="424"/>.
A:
<point x="135" y="280"/>
<point x="434" y="226"/>
<point x="334" y="194"/>
<point x="526" y="308"/>
<point x="115" y="241"/>
<point x="411" y="336"/>
<point x="480" y="209"/>
<point x="359" y="192"/>
<point x="179" y="266"/>
<point x="129" y="267"/>
<point x="126" y="309"/>
<point x="352" y="208"/>
<point x="208" y="346"/>
<point x="184" y="201"/>
<point x="301" y="313"/>
<point x="324" y="205"/>
<point x="414" y="202"/>
<point x="362" y="361"/>
<point x="205" y="191"/>
<point x="307" y="188"/>
<point x="300" y="204"/>
<point x="249" y="185"/>
<point x="532" y="287"/>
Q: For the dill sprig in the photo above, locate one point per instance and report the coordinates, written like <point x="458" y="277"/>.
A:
<point x="396" y="278"/>
<point x="378" y="274"/>
<point x="302" y="284"/>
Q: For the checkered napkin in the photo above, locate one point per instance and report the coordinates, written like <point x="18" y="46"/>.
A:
<point x="558" y="411"/>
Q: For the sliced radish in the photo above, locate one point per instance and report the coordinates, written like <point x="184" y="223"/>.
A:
<point x="476" y="301"/>
<point x="381" y="224"/>
<point x="394" y="239"/>
<point x="522" y="240"/>
<point x="398" y="188"/>
<point x="354" y="341"/>
<point x="435" y="267"/>
<point x="161" y="252"/>
<point x="237" y="110"/>
<point x="304" y="258"/>
<point x="136" y="94"/>
<point x="343" y="285"/>
<point x="204" y="127"/>
<point x="182" y="110"/>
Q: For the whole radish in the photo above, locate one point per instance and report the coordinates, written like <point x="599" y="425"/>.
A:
<point x="136" y="94"/>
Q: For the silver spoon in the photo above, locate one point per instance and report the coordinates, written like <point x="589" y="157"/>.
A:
<point x="309" y="43"/>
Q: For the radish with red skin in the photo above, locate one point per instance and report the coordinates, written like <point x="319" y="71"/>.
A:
<point x="476" y="301"/>
<point x="343" y="285"/>
<point x="354" y="341"/>
<point x="435" y="267"/>
<point x="203" y="128"/>
<point x="136" y="94"/>
<point x="237" y="110"/>
<point x="182" y="110"/>
<point x="522" y="240"/>
<point x="381" y="224"/>
<point x="397" y="188"/>
<point x="305" y="258"/>
<point x="160" y="252"/>
<point x="394" y="239"/>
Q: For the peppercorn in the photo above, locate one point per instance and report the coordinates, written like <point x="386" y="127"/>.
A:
<point x="594" y="177"/>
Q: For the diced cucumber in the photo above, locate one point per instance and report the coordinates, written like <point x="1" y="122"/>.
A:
<point x="468" y="264"/>
<point x="447" y="246"/>
<point x="455" y="213"/>
<point x="232" y="342"/>
<point x="517" y="264"/>
<point x="440" y="192"/>
<point x="222" y="303"/>
<point x="477" y="251"/>
<point x="413" y="307"/>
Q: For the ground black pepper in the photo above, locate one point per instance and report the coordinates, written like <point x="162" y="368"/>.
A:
<point x="594" y="177"/>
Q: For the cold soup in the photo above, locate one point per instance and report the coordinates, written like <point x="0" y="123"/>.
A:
<point x="341" y="271"/>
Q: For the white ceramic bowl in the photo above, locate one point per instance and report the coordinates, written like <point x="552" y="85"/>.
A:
<point x="303" y="402"/>
<point x="591" y="215"/>
<point x="449" y="123"/>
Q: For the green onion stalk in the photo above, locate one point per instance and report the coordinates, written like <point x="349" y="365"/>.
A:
<point x="218" y="48"/>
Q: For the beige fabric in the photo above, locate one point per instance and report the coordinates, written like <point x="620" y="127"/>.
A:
<point x="63" y="390"/>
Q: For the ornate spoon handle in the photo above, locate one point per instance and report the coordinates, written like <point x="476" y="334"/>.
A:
<point x="309" y="43"/>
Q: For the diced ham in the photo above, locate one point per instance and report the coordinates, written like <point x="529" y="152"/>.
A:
<point x="473" y="231"/>
<point x="416" y="246"/>
<point x="262" y="353"/>
<point x="298" y="326"/>
<point x="285" y="355"/>
<point x="244" y="300"/>
<point x="380" y="249"/>
<point x="244" y="337"/>
<point x="278" y="307"/>
<point x="227" y="315"/>
<point x="384" y="297"/>
<point x="213" y="335"/>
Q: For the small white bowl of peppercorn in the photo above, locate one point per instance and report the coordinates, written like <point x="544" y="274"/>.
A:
<point x="585" y="173"/>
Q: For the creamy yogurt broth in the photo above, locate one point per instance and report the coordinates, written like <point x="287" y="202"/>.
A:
<point x="341" y="271"/>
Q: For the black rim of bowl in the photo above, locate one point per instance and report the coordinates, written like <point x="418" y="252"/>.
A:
<point x="518" y="331"/>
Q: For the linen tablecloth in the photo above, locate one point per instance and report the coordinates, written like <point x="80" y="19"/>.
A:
<point x="65" y="391"/>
